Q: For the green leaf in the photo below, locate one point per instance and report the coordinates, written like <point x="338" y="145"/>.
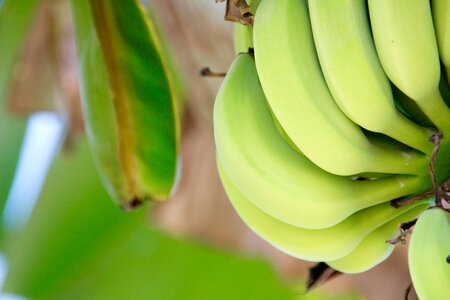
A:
<point x="169" y="57"/>
<point x="77" y="245"/>
<point x="147" y="264"/>
<point x="127" y="100"/>
<point x="73" y="214"/>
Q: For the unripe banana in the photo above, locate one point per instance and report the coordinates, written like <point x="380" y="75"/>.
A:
<point x="428" y="254"/>
<point x="127" y="102"/>
<point x="441" y="17"/>
<point x="410" y="108"/>
<point x="406" y="45"/>
<point x="292" y="80"/>
<point x="326" y="244"/>
<point x="354" y="74"/>
<point x="272" y="175"/>
<point x="374" y="249"/>
<point x="444" y="87"/>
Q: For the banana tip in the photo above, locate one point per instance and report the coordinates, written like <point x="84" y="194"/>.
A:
<point x="131" y="205"/>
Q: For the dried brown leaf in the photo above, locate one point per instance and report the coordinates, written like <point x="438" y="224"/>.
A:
<point x="238" y="11"/>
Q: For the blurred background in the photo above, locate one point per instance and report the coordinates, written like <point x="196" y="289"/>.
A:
<point x="62" y="237"/>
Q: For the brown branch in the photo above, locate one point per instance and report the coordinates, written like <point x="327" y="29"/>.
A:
<point x="320" y="272"/>
<point x="405" y="230"/>
<point x="436" y="140"/>
<point x="437" y="189"/>
<point x="206" y="72"/>
<point x="445" y="199"/>
<point x="397" y="203"/>
<point x="407" y="291"/>
<point x="407" y="225"/>
<point x="238" y="11"/>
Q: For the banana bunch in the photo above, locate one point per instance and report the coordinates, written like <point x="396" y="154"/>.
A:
<point x="329" y="119"/>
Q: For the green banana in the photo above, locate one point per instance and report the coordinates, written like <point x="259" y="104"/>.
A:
<point x="441" y="17"/>
<point x="314" y="245"/>
<point x="127" y="102"/>
<point x="428" y="254"/>
<point x="272" y="175"/>
<point x="408" y="51"/>
<point x="292" y="80"/>
<point x="283" y="133"/>
<point x="243" y="40"/>
<point x="354" y="74"/>
<point x="410" y="108"/>
<point x="374" y="249"/>
<point x="444" y="87"/>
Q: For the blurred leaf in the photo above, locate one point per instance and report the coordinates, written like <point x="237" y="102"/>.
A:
<point x="128" y="105"/>
<point x="17" y="15"/>
<point x="31" y="86"/>
<point x="15" y="19"/>
<point x="77" y="245"/>
<point x="147" y="264"/>
<point x="321" y="295"/>
<point x="73" y="214"/>
<point x="12" y="132"/>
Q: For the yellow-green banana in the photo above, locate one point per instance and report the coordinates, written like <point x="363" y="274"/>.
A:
<point x="293" y="82"/>
<point x="314" y="245"/>
<point x="406" y="45"/>
<point x="428" y="255"/>
<point x="275" y="177"/>
<point x="354" y="74"/>
<point x="441" y="18"/>
<point x="374" y="249"/>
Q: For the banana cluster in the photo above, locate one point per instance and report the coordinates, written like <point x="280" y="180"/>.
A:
<point x="330" y="119"/>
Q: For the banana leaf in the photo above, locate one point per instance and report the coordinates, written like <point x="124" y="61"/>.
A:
<point x="127" y="98"/>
